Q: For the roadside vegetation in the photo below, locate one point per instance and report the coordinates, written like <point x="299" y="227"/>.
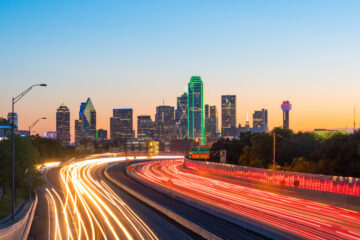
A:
<point x="298" y="152"/>
<point x="29" y="151"/>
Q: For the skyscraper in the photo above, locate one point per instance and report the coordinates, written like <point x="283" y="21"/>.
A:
<point x="121" y="124"/>
<point x="101" y="134"/>
<point x="165" y="123"/>
<point x="78" y="131"/>
<point x="207" y="121"/>
<point x="286" y="107"/>
<point x="228" y="115"/>
<point x="87" y="116"/>
<point x="213" y="122"/>
<point x="260" y="121"/>
<point x="63" y="125"/>
<point x="12" y="118"/>
<point x="146" y="128"/>
<point x="196" y="121"/>
<point x="181" y="116"/>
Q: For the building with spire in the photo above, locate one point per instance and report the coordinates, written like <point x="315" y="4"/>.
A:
<point x="63" y="125"/>
<point x="196" y="121"/>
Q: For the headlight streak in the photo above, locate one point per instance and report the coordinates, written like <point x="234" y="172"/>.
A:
<point x="306" y="218"/>
<point x="90" y="209"/>
<point x="57" y="228"/>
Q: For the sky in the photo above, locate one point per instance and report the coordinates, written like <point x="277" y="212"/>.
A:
<point x="140" y="54"/>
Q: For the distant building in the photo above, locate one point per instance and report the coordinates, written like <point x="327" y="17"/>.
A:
<point x="101" y="134"/>
<point x="260" y="121"/>
<point x="121" y="124"/>
<point x="228" y="115"/>
<point x="78" y="132"/>
<point x="145" y="128"/>
<point x="207" y="121"/>
<point x="12" y="118"/>
<point x="50" y="135"/>
<point x="5" y="130"/>
<point x="181" y="116"/>
<point x="165" y="123"/>
<point x="286" y="107"/>
<point x="88" y="120"/>
<point x="213" y="122"/>
<point x="63" y="125"/>
<point x="196" y="121"/>
<point x="23" y="133"/>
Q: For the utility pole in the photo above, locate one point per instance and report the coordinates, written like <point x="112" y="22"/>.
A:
<point x="274" y="149"/>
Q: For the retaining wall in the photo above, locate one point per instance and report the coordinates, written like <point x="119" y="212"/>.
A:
<point x="21" y="228"/>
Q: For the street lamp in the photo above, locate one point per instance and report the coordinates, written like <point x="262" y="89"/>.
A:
<point x="15" y="100"/>
<point x="32" y="125"/>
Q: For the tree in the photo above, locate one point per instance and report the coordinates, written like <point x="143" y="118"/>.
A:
<point x="26" y="156"/>
<point x="299" y="164"/>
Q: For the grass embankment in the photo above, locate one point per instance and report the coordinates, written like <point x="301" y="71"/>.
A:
<point x="5" y="201"/>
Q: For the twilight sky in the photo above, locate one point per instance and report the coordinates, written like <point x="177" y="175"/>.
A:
<point x="139" y="53"/>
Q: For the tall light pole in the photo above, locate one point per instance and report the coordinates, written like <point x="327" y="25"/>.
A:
<point x="15" y="100"/>
<point x="32" y="125"/>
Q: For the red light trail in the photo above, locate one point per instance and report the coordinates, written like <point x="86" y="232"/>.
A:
<point x="305" y="218"/>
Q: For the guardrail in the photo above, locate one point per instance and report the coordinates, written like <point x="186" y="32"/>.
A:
<point x="21" y="228"/>
<point x="324" y="183"/>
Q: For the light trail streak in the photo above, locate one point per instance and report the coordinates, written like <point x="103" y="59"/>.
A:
<point x="85" y="208"/>
<point x="305" y="218"/>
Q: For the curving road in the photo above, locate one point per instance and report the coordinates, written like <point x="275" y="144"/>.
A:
<point x="81" y="204"/>
<point x="299" y="217"/>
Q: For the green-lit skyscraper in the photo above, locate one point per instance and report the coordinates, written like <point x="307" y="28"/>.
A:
<point x="196" y="122"/>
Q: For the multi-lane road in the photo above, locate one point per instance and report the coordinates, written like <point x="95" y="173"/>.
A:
<point x="82" y="204"/>
<point x="79" y="202"/>
<point x="298" y="217"/>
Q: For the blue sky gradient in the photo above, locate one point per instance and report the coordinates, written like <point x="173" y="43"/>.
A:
<point x="139" y="53"/>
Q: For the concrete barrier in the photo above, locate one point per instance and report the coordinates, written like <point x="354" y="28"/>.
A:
<point x="261" y="228"/>
<point x="179" y="219"/>
<point x="21" y="228"/>
<point x="348" y="186"/>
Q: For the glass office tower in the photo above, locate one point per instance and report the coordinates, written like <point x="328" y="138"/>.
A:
<point x="88" y="119"/>
<point x="196" y="121"/>
<point x="228" y="115"/>
<point x="63" y="125"/>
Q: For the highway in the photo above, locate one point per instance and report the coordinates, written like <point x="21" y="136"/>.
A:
<point x="299" y="217"/>
<point x="79" y="203"/>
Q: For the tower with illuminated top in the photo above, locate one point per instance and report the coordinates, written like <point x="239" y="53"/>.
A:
<point x="196" y="121"/>
<point x="286" y="107"/>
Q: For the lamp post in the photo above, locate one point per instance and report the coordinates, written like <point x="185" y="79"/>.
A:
<point x="15" y="100"/>
<point x="32" y="125"/>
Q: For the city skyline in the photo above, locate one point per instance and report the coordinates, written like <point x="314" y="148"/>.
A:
<point x="263" y="55"/>
<point x="238" y="121"/>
